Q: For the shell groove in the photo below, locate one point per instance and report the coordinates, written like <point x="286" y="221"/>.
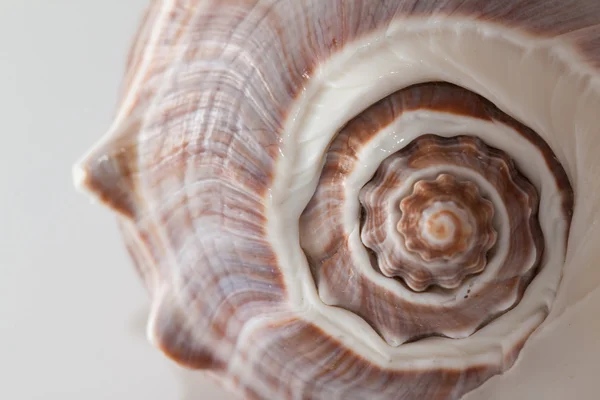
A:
<point x="244" y="164"/>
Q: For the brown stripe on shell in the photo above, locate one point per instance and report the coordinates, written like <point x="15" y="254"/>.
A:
<point x="139" y="44"/>
<point x="164" y="50"/>
<point x="298" y="360"/>
<point x="177" y="337"/>
<point x="144" y="254"/>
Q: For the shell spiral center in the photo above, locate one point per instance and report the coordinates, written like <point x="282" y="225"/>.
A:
<point x="445" y="228"/>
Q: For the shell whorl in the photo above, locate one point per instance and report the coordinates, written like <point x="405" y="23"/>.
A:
<point x="354" y="199"/>
<point x="429" y="176"/>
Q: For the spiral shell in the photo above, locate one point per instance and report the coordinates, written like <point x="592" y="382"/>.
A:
<point x="454" y="184"/>
<point x="354" y="199"/>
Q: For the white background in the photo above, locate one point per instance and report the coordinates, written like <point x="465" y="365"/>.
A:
<point x="72" y="312"/>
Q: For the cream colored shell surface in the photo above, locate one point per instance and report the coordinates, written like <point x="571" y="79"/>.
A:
<point x="230" y="118"/>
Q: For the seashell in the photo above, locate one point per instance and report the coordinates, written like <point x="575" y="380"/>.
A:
<point x="355" y="199"/>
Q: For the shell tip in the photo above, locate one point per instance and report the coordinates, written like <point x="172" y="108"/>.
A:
<point x="80" y="177"/>
<point x="105" y="175"/>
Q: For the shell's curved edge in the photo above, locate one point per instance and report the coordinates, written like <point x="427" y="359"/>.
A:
<point x="169" y="331"/>
<point x="271" y="352"/>
<point x="143" y="253"/>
